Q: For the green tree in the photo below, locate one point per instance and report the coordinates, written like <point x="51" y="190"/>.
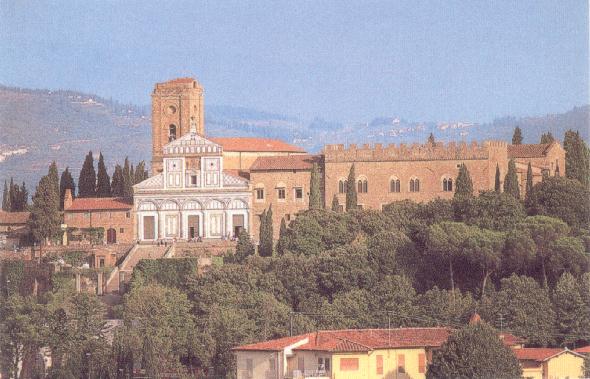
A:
<point x="567" y="255"/>
<point x="118" y="182"/>
<point x="570" y="311"/>
<point x="103" y="181"/>
<point x="519" y="254"/>
<point x="431" y="141"/>
<point x="547" y="138"/>
<point x="5" y="198"/>
<point x="517" y="136"/>
<point x="283" y="242"/>
<point x="265" y="243"/>
<point x="511" y="185"/>
<point x="87" y="180"/>
<point x="464" y="185"/>
<point x="244" y="247"/>
<point x="496" y="211"/>
<point x="474" y="351"/>
<point x="54" y="177"/>
<point x="315" y="191"/>
<point x="335" y="205"/>
<point x="530" y="200"/>
<point x="564" y="198"/>
<point x="442" y="307"/>
<point x="483" y="248"/>
<point x="45" y="218"/>
<point x="351" y="195"/>
<point x="66" y="181"/>
<point x="497" y="185"/>
<point x="141" y="173"/>
<point x="127" y="179"/>
<point x="577" y="158"/>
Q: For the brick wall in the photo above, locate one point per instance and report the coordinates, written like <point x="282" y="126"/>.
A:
<point x="121" y="221"/>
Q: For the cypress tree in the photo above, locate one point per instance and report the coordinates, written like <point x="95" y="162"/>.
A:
<point x="54" y="177"/>
<point x="103" y="181"/>
<point x="265" y="243"/>
<point x="66" y="181"/>
<point x="577" y="158"/>
<point x="16" y="196"/>
<point x="315" y="196"/>
<point x="335" y="204"/>
<point x="5" y="198"/>
<point x="511" y="180"/>
<point x="464" y="185"/>
<point x="140" y="173"/>
<point x="283" y="236"/>
<point x="87" y="180"/>
<point x="45" y="217"/>
<point x="431" y="140"/>
<point x="517" y="136"/>
<point x="268" y="248"/>
<point x="20" y="198"/>
<point x="127" y="179"/>
<point x="547" y="138"/>
<point x="351" y="195"/>
<point x="530" y="200"/>
<point x="497" y="186"/>
<point x="557" y="174"/>
<point x="117" y="184"/>
<point x="11" y="195"/>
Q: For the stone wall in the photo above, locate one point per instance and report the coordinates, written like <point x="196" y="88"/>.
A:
<point x="120" y="220"/>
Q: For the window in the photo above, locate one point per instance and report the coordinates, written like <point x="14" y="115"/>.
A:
<point x="362" y="186"/>
<point x="349" y="364"/>
<point x="447" y="185"/>
<point x="171" y="132"/>
<point x="194" y="180"/>
<point x="379" y="365"/>
<point x="128" y="215"/>
<point x="272" y="364"/>
<point x="421" y="363"/>
<point x="288" y="217"/>
<point x="414" y="185"/>
<point x="259" y="193"/>
<point x="342" y="184"/>
<point x="281" y="193"/>
<point x="401" y="363"/>
<point x="100" y="262"/>
<point x="394" y="185"/>
<point x="301" y="363"/>
<point x="359" y="206"/>
<point x="299" y="193"/>
<point x="171" y="225"/>
<point x="324" y="365"/>
<point x="121" y="230"/>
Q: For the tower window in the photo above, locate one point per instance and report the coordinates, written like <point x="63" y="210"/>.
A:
<point x="447" y="185"/>
<point x="171" y="132"/>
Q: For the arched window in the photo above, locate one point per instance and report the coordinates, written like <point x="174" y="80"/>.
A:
<point x="415" y="185"/>
<point x="342" y="184"/>
<point x="362" y="186"/>
<point x="394" y="185"/>
<point x="447" y="185"/>
<point x="171" y="132"/>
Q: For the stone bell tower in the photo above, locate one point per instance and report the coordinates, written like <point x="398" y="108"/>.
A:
<point x="174" y="104"/>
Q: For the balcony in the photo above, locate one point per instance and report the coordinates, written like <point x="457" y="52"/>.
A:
<point x="308" y="374"/>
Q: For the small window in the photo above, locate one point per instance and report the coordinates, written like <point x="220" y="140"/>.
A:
<point x="121" y="230"/>
<point x="379" y="365"/>
<point x="171" y="132"/>
<point x="128" y="215"/>
<point x="299" y="193"/>
<point x="194" y="180"/>
<point x="323" y="365"/>
<point x="342" y="185"/>
<point x="447" y="185"/>
<point x="362" y="186"/>
<point x="349" y="364"/>
<point x="281" y="193"/>
<point x="101" y="262"/>
<point x="288" y="217"/>
<point x="259" y="194"/>
<point x="414" y="185"/>
<point x="401" y="363"/>
<point x="394" y="186"/>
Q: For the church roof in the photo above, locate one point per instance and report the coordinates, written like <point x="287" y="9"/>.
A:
<point x="250" y="144"/>
<point x="230" y="179"/>
<point x="192" y="143"/>
<point x="99" y="203"/>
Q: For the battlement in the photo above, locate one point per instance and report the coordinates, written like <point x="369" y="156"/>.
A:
<point x="178" y="84"/>
<point x="413" y="152"/>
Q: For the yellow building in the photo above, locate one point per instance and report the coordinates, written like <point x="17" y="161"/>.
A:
<point x="345" y="354"/>
<point x="548" y="363"/>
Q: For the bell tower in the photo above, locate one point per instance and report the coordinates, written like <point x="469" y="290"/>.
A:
<point x="174" y="104"/>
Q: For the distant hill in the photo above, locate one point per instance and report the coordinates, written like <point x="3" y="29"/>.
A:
<point x="39" y="126"/>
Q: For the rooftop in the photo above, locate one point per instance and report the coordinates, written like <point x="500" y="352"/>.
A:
<point x="250" y="144"/>
<point x="539" y="354"/>
<point x="291" y="162"/>
<point x="100" y="203"/>
<point x="14" y="217"/>
<point x="528" y="151"/>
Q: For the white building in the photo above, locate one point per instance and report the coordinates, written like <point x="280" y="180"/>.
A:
<point x="193" y="196"/>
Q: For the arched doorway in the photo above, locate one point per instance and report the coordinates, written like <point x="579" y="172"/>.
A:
<point x="111" y="236"/>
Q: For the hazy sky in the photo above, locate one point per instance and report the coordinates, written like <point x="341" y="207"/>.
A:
<point x="341" y="60"/>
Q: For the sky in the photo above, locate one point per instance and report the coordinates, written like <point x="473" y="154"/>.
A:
<point x="338" y="60"/>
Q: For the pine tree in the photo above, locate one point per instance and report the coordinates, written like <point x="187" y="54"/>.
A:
<point x="5" y="198"/>
<point x="547" y="138"/>
<point x="464" y="185"/>
<point x="87" y="180"/>
<point x="127" y="179"/>
<point x="569" y="309"/>
<point x="66" y="181"/>
<point x="283" y="238"/>
<point x="351" y="195"/>
<point x="45" y="217"/>
<point x="315" y="195"/>
<point x="431" y="140"/>
<point x="511" y="185"/>
<point x="117" y="184"/>
<point x="335" y="204"/>
<point x="497" y="185"/>
<point x="529" y="197"/>
<point x="103" y="181"/>
<point x="577" y="158"/>
<point x="517" y="136"/>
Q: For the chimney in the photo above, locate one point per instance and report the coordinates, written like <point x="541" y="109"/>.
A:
<point x="68" y="199"/>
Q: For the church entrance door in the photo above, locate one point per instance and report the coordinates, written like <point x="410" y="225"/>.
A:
<point x="149" y="229"/>
<point x="238" y="224"/>
<point x="193" y="227"/>
<point x="215" y="225"/>
<point x="111" y="235"/>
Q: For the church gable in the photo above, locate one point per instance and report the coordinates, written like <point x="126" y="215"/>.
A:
<point x="192" y="143"/>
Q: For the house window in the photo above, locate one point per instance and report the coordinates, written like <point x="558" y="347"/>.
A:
<point x="421" y="363"/>
<point x="362" y="186"/>
<point x="121" y="230"/>
<point x="447" y="185"/>
<point x="299" y="193"/>
<point x="394" y="185"/>
<point x="171" y="132"/>
<point x="281" y="193"/>
<point x="259" y="193"/>
<point x="379" y="365"/>
<point x="414" y="185"/>
<point x="128" y="215"/>
<point x="342" y="184"/>
<point x="324" y="365"/>
<point x="101" y="262"/>
<point x="401" y="363"/>
<point x="349" y="364"/>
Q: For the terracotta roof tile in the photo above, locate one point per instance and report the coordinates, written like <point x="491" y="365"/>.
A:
<point x="528" y="151"/>
<point x="14" y="217"/>
<point x="274" y="345"/>
<point x="292" y="162"/>
<point x="583" y="350"/>
<point x="255" y="144"/>
<point x="100" y="203"/>
<point x="536" y="354"/>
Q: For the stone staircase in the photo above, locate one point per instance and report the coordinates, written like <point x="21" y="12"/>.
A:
<point x="122" y="272"/>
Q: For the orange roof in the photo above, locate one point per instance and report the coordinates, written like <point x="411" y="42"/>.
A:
<point x="291" y="162"/>
<point x="583" y="350"/>
<point x="255" y="144"/>
<point x="528" y="151"/>
<point x="537" y="354"/>
<point x="14" y="217"/>
<point x="100" y="203"/>
<point x="274" y="345"/>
